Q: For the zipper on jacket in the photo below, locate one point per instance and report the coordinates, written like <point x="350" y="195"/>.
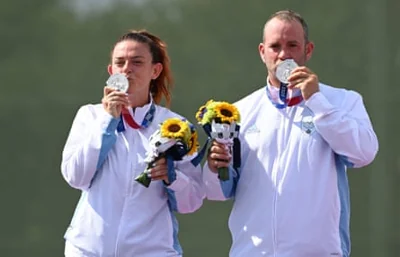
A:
<point x="274" y="244"/>
<point x="119" y="230"/>
<point x="282" y="144"/>
<point x="275" y="170"/>
<point x="127" y="193"/>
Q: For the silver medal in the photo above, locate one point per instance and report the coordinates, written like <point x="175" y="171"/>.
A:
<point x="118" y="81"/>
<point x="284" y="69"/>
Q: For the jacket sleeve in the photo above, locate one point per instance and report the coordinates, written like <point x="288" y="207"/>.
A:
<point x="346" y="127"/>
<point x="87" y="145"/>
<point x="216" y="189"/>
<point x="186" y="193"/>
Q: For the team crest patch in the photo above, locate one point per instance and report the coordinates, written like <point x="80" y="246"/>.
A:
<point x="307" y="124"/>
<point x="252" y="129"/>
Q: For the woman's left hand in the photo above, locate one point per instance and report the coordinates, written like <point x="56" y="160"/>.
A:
<point x="159" y="170"/>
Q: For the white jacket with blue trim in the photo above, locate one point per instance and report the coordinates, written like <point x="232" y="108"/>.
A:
<point x="116" y="216"/>
<point x="291" y="195"/>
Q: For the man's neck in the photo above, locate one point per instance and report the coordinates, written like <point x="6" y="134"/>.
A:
<point x="273" y="82"/>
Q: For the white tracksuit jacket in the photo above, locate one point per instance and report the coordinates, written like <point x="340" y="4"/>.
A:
<point x="116" y="216"/>
<point x="291" y="196"/>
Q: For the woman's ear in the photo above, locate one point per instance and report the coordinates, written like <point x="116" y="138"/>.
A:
<point x="157" y="69"/>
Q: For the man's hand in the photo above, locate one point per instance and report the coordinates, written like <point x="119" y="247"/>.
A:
<point x="304" y="79"/>
<point x="218" y="156"/>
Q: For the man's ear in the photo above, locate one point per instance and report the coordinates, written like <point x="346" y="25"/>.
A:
<point x="109" y="69"/>
<point x="157" y="69"/>
<point x="309" y="50"/>
<point x="261" y="51"/>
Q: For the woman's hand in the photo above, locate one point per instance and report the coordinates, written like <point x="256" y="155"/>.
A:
<point x="159" y="170"/>
<point x="113" y="101"/>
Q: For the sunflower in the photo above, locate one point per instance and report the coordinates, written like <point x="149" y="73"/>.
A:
<point x="175" y="128"/>
<point x="193" y="145"/>
<point x="226" y="112"/>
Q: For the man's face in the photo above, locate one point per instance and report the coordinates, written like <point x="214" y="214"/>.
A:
<point x="134" y="60"/>
<point x="283" y="40"/>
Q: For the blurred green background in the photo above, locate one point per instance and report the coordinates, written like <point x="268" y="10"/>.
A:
<point x="53" y="59"/>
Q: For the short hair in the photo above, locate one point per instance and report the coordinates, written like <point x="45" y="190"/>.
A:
<point x="289" y="15"/>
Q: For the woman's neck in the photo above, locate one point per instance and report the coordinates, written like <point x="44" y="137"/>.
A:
<point x="138" y="101"/>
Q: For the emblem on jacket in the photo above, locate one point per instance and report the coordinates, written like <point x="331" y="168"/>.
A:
<point x="307" y="124"/>
<point x="253" y="129"/>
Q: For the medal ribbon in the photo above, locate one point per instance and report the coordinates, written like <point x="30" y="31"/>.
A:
<point x="283" y="91"/>
<point x="125" y="115"/>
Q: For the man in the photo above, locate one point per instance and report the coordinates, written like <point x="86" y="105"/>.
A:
<point x="291" y="194"/>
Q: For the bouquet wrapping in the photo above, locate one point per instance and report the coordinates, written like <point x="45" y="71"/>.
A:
<point x="220" y="120"/>
<point x="174" y="139"/>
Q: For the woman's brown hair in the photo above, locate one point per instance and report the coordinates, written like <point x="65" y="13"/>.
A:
<point x="162" y="85"/>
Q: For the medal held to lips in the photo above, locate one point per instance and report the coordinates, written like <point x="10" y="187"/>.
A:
<point x="284" y="69"/>
<point x="118" y="81"/>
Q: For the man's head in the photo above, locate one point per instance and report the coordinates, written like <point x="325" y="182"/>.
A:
<point x="285" y="36"/>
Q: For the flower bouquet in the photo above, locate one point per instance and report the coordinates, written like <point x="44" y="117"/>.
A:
<point x="173" y="140"/>
<point x="220" y="122"/>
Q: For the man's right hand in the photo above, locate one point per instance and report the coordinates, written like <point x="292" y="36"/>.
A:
<point x="113" y="101"/>
<point x="219" y="156"/>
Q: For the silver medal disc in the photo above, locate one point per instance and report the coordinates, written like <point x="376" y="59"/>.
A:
<point x="284" y="69"/>
<point x="118" y="81"/>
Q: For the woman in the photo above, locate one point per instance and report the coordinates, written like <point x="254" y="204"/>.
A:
<point x="105" y="151"/>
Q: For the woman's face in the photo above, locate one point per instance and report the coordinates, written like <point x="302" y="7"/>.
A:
<point x="134" y="60"/>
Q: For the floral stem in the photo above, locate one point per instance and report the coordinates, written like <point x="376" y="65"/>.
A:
<point x="223" y="173"/>
<point x="144" y="178"/>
